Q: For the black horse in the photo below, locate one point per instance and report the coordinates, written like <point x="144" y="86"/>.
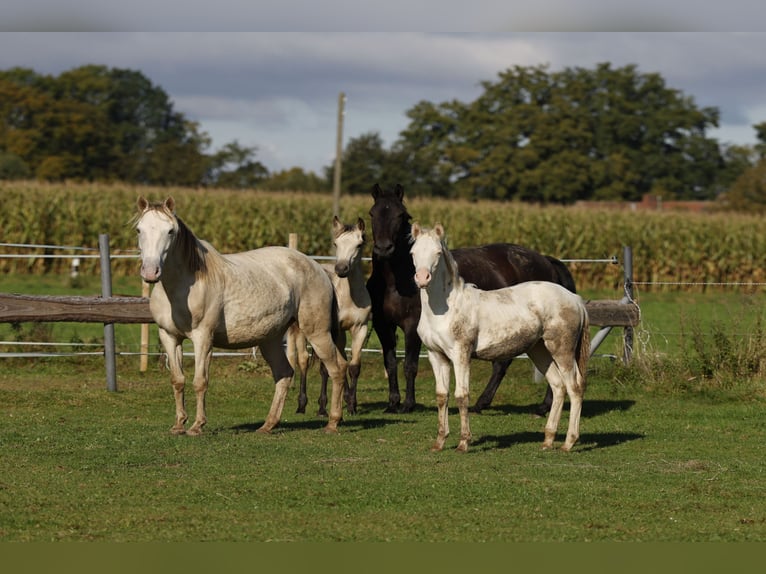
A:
<point x="396" y="299"/>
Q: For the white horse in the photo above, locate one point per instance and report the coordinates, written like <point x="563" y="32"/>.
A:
<point x="233" y="301"/>
<point x="354" y="307"/>
<point x="458" y="321"/>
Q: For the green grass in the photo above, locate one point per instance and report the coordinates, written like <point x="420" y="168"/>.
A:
<point x="671" y="447"/>
<point x="85" y="464"/>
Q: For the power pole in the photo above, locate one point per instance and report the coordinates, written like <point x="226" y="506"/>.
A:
<point x="338" y="156"/>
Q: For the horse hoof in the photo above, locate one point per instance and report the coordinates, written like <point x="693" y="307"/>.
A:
<point x="331" y="429"/>
<point x="263" y="430"/>
<point x="178" y="431"/>
<point x="392" y="409"/>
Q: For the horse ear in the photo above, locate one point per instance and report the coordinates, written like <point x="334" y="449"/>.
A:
<point x="439" y="229"/>
<point x="142" y="204"/>
<point x="376" y="191"/>
<point x="337" y="225"/>
<point x="360" y="224"/>
<point x="399" y="191"/>
<point x="170" y="204"/>
<point x="415" y="230"/>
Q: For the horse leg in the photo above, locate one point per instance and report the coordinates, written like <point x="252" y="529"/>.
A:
<point x="387" y="338"/>
<point x="412" y="346"/>
<point x="441" y="368"/>
<point x="498" y="372"/>
<point x="575" y="408"/>
<point x="299" y="360"/>
<point x="203" y="351"/>
<point x="322" y="410"/>
<point x="326" y="349"/>
<point x="274" y="354"/>
<point x="462" y="364"/>
<point x="545" y="407"/>
<point x="174" y="352"/>
<point x="358" y="337"/>
<point x="544" y="362"/>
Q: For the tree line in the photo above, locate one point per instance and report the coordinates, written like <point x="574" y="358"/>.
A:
<point x="532" y="135"/>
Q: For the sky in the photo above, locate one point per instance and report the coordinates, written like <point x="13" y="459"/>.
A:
<point x="271" y="75"/>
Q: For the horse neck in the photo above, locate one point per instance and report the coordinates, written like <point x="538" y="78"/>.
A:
<point x="189" y="254"/>
<point x="444" y="281"/>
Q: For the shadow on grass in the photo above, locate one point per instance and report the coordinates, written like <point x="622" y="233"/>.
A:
<point x="589" y="408"/>
<point x="347" y="424"/>
<point x="587" y="442"/>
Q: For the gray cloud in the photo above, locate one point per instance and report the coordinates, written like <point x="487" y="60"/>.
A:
<point x="278" y="91"/>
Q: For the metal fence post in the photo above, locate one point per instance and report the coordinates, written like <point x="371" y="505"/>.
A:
<point x="106" y="291"/>
<point x="627" y="351"/>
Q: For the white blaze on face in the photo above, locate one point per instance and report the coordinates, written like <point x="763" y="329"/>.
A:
<point x="156" y="232"/>
<point x="425" y="255"/>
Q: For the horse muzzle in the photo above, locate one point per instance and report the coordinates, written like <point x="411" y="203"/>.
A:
<point x="384" y="251"/>
<point x="422" y="278"/>
<point x="151" y="273"/>
<point x="342" y="269"/>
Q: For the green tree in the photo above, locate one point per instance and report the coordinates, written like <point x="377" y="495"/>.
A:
<point x="295" y="179"/>
<point x="575" y="134"/>
<point x="99" y="123"/>
<point x="363" y="163"/>
<point x="234" y="166"/>
<point x="748" y="192"/>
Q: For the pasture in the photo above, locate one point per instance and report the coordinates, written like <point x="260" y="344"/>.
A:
<point x="670" y="447"/>
<point x="83" y="464"/>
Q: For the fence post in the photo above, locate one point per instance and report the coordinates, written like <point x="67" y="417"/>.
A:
<point x="627" y="351"/>
<point x="144" y="361"/>
<point x="106" y="291"/>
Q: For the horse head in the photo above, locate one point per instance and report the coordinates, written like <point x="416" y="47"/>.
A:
<point x="349" y="243"/>
<point x="427" y="251"/>
<point x="390" y="220"/>
<point x="157" y="227"/>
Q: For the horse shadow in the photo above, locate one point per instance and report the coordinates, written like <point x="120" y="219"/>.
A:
<point x="318" y="423"/>
<point x="586" y="442"/>
<point x="590" y="408"/>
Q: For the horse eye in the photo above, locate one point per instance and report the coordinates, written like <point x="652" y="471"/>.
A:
<point x="171" y="231"/>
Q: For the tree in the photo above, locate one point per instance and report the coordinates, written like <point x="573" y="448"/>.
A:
<point x="363" y="163"/>
<point x="234" y="166"/>
<point x="575" y="134"/>
<point x="295" y="179"/>
<point x="748" y="192"/>
<point x="98" y="123"/>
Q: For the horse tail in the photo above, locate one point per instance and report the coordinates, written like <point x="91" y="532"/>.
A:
<point x="335" y="316"/>
<point x="583" y="349"/>
<point x="563" y="275"/>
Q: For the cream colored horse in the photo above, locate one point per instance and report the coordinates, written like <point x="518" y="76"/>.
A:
<point x="354" y="307"/>
<point x="458" y="321"/>
<point x="233" y="301"/>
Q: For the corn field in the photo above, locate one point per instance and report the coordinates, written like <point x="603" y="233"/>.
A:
<point x="671" y="251"/>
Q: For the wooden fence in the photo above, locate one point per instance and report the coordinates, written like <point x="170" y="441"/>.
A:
<point x="109" y="310"/>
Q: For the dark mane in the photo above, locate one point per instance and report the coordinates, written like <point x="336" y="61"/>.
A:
<point x="192" y="248"/>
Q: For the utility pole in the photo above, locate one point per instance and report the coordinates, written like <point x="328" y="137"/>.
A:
<point x="338" y="155"/>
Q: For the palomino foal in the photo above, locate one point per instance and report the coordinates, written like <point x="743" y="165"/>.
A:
<point x="354" y="307"/>
<point x="458" y="322"/>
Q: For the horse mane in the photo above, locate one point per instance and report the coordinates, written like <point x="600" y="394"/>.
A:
<point x="192" y="248"/>
<point x="450" y="264"/>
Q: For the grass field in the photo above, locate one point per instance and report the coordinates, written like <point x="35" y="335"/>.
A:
<point x="671" y="448"/>
<point x="83" y="464"/>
